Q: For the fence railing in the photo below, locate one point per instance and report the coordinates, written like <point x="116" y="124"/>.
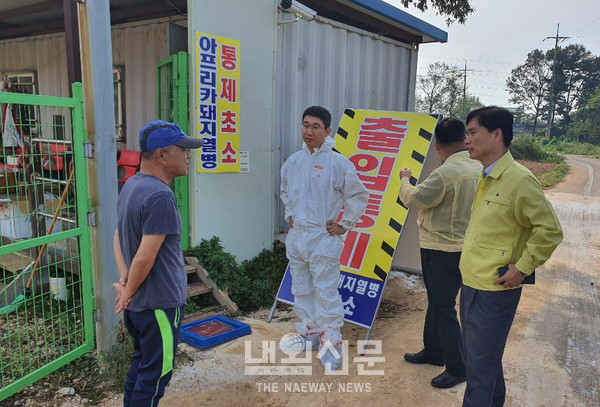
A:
<point x="46" y="296"/>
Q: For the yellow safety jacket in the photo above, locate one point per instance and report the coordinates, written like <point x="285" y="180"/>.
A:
<point x="512" y="222"/>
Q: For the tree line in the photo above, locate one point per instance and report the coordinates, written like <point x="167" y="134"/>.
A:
<point x="572" y="76"/>
<point x="575" y="90"/>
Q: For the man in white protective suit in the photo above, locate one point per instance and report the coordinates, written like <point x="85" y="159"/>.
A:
<point x="316" y="182"/>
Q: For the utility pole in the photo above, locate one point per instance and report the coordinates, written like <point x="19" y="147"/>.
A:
<point x="551" y="104"/>
<point x="465" y="80"/>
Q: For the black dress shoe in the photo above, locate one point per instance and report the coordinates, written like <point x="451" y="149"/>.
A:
<point x="446" y="380"/>
<point x="420" y="358"/>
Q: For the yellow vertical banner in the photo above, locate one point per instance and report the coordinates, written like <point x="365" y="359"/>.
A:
<point x="380" y="144"/>
<point x="217" y="110"/>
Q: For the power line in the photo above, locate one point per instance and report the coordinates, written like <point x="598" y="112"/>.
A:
<point x="587" y="25"/>
<point x="576" y="37"/>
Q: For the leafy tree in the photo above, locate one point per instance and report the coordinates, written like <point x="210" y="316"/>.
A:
<point x="453" y="10"/>
<point x="441" y="91"/>
<point x="465" y="105"/>
<point x="438" y="89"/>
<point x="585" y="126"/>
<point x="529" y="86"/>
<point x="576" y="75"/>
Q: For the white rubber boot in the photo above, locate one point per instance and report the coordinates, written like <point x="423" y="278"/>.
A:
<point x="310" y="334"/>
<point x="330" y="350"/>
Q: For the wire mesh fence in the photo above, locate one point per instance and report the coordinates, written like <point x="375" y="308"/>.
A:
<point x="45" y="276"/>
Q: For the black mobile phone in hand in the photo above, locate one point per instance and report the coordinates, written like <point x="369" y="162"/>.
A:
<point x="530" y="279"/>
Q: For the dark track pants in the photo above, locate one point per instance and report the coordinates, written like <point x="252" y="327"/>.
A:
<point x="486" y="318"/>
<point x="441" y="335"/>
<point x="155" y="336"/>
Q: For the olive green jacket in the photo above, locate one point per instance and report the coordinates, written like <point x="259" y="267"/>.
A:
<point x="444" y="200"/>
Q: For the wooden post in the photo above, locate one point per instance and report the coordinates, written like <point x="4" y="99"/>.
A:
<point x="72" y="39"/>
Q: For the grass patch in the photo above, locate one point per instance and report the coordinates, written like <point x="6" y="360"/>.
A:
<point x="540" y="150"/>
<point x="82" y="375"/>
<point x="36" y="333"/>
<point x="116" y="364"/>
<point x="554" y="176"/>
<point x="573" y="147"/>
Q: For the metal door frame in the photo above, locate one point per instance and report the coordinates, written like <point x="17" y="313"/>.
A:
<point x="173" y="107"/>
<point x="30" y="370"/>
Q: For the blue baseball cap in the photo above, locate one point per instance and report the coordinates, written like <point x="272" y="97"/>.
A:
<point x="160" y="133"/>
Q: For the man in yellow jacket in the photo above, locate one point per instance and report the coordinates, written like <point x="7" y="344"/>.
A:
<point x="512" y="225"/>
<point x="444" y="200"/>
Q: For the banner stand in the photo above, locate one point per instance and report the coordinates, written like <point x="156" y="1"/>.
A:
<point x="369" y="329"/>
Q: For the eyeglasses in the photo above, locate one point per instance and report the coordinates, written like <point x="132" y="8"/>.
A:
<point x="314" y="127"/>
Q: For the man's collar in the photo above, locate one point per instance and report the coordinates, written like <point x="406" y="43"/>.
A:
<point x="457" y="155"/>
<point x="327" y="145"/>
<point x="498" y="167"/>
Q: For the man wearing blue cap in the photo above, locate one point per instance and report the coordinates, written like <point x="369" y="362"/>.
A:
<point x="153" y="286"/>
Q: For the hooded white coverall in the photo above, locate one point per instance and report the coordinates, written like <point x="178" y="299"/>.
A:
<point x="314" y="187"/>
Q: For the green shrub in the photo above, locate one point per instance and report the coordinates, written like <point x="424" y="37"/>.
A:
<point x="268" y="266"/>
<point x="528" y="148"/>
<point x="251" y="285"/>
<point x="197" y="304"/>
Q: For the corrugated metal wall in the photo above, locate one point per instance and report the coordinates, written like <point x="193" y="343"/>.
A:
<point x="337" y="66"/>
<point x="137" y="47"/>
<point x="44" y="55"/>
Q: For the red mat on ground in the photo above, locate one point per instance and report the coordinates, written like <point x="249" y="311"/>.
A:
<point x="211" y="328"/>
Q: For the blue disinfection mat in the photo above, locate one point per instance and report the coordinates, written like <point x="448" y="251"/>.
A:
<point x="213" y="331"/>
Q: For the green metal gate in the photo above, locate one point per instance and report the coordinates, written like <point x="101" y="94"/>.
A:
<point x="46" y="296"/>
<point x="173" y="107"/>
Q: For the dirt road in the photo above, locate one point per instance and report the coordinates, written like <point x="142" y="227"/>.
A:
<point x="565" y="306"/>
<point x="552" y="357"/>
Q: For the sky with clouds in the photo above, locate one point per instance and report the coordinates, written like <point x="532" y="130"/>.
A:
<point x="497" y="37"/>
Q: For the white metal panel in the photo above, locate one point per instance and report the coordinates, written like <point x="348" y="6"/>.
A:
<point x="238" y="207"/>
<point x="52" y="66"/>
<point x="326" y="63"/>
